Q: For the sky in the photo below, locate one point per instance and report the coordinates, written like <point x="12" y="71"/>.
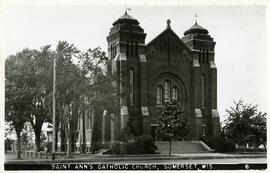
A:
<point x="239" y="32"/>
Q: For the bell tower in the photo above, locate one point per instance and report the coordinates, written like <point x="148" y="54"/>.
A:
<point x="204" y="79"/>
<point x="126" y="47"/>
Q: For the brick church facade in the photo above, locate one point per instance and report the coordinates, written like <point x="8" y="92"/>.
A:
<point x="167" y="68"/>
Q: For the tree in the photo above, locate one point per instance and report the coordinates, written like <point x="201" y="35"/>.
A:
<point x="100" y="89"/>
<point x="31" y="69"/>
<point x="172" y="123"/>
<point x="18" y="92"/>
<point x="258" y="129"/>
<point x="42" y="80"/>
<point x="245" y="124"/>
<point x="68" y="89"/>
<point x="28" y="87"/>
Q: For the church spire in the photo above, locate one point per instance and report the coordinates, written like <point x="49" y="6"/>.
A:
<point x="169" y="24"/>
<point x="127" y="9"/>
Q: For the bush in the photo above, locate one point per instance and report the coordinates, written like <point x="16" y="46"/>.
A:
<point x="145" y="145"/>
<point x="219" y="144"/>
<point x="250" y="150"/>
<point x="95" y="147"/>
<point x="139" y="145"/>
<point x="115" y="148"/>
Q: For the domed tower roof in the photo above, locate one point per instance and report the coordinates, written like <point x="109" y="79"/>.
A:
<point x="196" y="29"/>
<point x="126" y="19"/>
<point x="126" y="23"/>
<point x="198" y="38"/>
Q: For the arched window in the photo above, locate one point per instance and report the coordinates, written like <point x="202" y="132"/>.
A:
<point x="115" y="49"/>
<point x="136" y="49"/>
<point x="79" y="122"/>
<point x="175" y="93"/>
<point x="127" y="49"/>
<point x="87" y="119"/>
<point x="159" y="95"/>
<point x="131" y="84"/>
<point x="203" y="90"/>
<point x="131" y="49"/>
<point x="112" y="51"/>
<point x="91" y="118"/>
<point x="167" y="88"/>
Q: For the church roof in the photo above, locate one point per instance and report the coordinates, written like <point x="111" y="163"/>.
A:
<point x="126" y="19"/>
<point x="168" y="29"/>
<point x="196" y="29"/>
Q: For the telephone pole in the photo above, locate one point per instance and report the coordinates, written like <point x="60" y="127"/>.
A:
<point x="54" y="128"/>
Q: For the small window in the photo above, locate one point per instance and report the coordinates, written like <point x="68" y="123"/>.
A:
<point x="167" y="92"/>
<point x="115" y="50"/>
<point x="203" y="90"/>
<point x="91" y="122"/>
<point x="207" y="56"/>
<point x="175" y="93"/>
<point x="136" y="49"/>
<point x="87" y="119"/>
<point x="131" y="84"/>
<point x="79" y="124"/>
<point x="200" y="56"/>
<point x="131" y="49"/>
<point x="111" y="51"/>
<point x="159" y="95"/>
<point x="127" y="49"/>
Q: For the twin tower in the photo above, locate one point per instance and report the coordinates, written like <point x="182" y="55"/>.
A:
<point x="167" y="68"/>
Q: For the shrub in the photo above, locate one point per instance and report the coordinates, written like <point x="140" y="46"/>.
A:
<point x="106" y="145"/>
<point x="138" y="145"/>
<point x="143" y="145"/>
<point x="95" y="147"/>
<point x="219" y="144"/>
<point x="115" y="148"/>
<point x="250" y="150"/>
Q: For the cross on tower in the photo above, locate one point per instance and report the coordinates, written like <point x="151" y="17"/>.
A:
<point x="127" y="9"/>
<point x="196" y="18"/>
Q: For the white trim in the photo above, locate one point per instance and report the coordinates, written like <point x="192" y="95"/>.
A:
<point x="143" y="58"/>
<point x="124" y="110"/>
<point x="120" y="57"/>
<point x="213" y="64"/>
<point x="198" y="113"/>
<point x="196" y="63"/>
<point x="153" y="125"/>
<point x="144" y="110"/>
<point x="215" y="113"/>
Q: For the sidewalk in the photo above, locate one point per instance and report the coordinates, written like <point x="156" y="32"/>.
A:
<point x="107" y="158"/>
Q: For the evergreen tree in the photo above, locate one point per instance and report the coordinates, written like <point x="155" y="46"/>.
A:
<point x="172" y="123"/>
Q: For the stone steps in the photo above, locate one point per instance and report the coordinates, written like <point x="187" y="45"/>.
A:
<point x="180" y="147"/>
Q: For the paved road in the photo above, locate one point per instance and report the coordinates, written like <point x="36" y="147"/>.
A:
<point x="101" y="163"/>
<point x="159" y="161"/>
<point x="197" y="161"/>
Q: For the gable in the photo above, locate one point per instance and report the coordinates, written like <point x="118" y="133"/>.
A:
<point x="167" y="45"/>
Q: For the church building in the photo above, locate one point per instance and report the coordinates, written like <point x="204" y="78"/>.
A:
<point x="166" y="68"/>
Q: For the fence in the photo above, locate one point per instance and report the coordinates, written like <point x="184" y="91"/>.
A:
<point x="34" y="154"/>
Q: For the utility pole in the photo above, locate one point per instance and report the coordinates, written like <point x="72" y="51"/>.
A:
<point x="54" y="128"/>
